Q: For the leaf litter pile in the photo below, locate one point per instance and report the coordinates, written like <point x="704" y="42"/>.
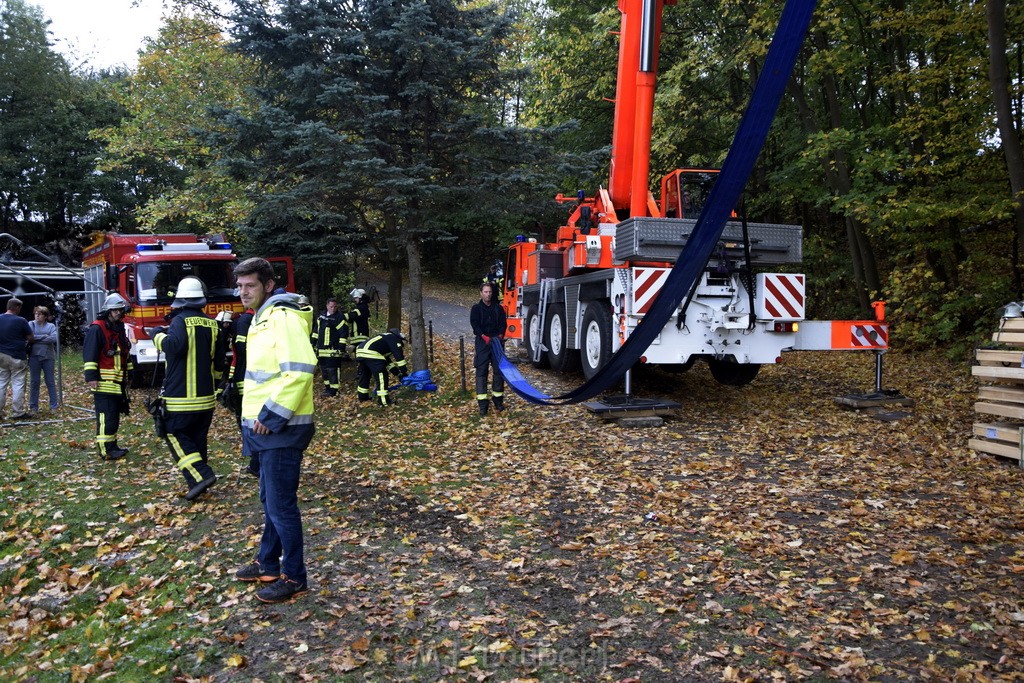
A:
<point x="761" y="533"/>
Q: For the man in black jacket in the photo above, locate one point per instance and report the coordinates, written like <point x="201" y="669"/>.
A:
<point x="194" y="367"/>
<point x="233" y="388"/>
<point x="358" y="319"/>
<point x="488" y="320"/>
<point x="330" y="335"/>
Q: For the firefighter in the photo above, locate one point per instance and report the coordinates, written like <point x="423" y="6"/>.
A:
<point x="377" y="356"/>
<point x="107" y="367"/>
<point x="329" y="339"/>
<point x="487" y="318"/>
<point x="492" y="278"/>
<point x="194" y="368"/>
<point x="358" y="319"/>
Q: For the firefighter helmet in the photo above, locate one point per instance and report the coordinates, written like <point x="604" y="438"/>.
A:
<point x="115" y="302"/>
<point x="397" y="332"/>
<point x="357" y="293"/>
<point x="191" y="291"/>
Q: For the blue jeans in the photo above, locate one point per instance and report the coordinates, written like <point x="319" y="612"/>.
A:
<point x="281" y="545"/>
<point x="35" y="366"/>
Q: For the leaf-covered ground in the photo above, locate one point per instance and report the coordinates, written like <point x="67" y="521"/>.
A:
<point x="761" y="533"/>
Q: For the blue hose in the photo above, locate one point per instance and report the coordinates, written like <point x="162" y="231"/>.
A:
<point x="739" y="163"/>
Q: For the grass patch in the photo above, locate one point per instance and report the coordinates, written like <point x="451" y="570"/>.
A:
<point x="442" y="546"/>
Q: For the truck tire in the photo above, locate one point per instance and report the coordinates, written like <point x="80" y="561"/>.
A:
<point x="727" y="371"/>
<point x="560" y="357"/>
<point x="596" y="342"/>
<point x="533" y="333"/>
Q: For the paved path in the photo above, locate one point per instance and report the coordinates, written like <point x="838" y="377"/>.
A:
<point x="449" y="320"/>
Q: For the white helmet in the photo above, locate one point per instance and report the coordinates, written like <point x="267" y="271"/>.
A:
<point x="191" y="291"/>
<point x="115" y="302"/>
<point x="357" y="293"/>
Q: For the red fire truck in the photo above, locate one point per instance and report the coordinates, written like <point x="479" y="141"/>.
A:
<point x="146" y="269"/>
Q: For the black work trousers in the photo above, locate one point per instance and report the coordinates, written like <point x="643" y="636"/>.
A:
<point x="187" y="438"/>
<point x="329" y="369"/>
<point x="368" y="370"/>
<point x="108" y="419"/>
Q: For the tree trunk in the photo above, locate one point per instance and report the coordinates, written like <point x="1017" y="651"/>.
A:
<point x="417" y="328"/>
<point x="394" y="291"/>
<point x="998" y="74"/>
<point x="859" y="245"/>
<point x="395" y="263"/>
<point x="314" y="292"/>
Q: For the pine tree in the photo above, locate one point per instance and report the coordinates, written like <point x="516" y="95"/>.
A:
<point x="378" y="121"/>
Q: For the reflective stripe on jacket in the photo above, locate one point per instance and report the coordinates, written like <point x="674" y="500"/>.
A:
<point x="279" y="375"/>
<point x="193" y="364"/>
<point x="385" y="347"/>
<point x="106" y="352"/>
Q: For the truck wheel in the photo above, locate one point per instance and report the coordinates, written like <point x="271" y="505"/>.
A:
<point x="731" y="373"/>
<point x="597" y="338"/>
<point x="560" y="357"/>
<point x="533" y="332"/>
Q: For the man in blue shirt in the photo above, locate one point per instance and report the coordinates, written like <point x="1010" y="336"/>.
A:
<point x="14" y="337"/>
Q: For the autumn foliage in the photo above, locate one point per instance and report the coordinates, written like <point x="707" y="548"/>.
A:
<point x="761" y="533"/>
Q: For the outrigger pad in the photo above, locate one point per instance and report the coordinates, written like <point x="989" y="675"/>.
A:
<point x="613" y="407"/>
<point x="877" y="399"/>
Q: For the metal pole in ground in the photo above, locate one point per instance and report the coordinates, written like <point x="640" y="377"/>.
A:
<point x="60" y="369"/>
<point x="430" y="336"/>
<point x="462" y="360"/>
<point x="878" y="371"/>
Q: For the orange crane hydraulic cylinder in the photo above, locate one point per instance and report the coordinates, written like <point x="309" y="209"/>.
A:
<point x="640" y="37"/>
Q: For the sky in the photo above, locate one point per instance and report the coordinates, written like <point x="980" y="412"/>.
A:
<point x="101" y="33"/>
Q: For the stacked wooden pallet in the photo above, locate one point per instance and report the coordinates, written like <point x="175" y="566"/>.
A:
<point x="1000" y="405"/>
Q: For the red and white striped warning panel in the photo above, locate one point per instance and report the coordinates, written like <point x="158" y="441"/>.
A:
<point x="842" y="335"/>
<point x="647" y="282"/>
<point x="780" y="296"/>
<point x="868" y="336"/>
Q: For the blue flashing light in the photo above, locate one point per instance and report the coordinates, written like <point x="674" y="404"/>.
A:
<point x="148" y="247"/>
<point x="520" y="238"/>
<point x="226" y="246"/>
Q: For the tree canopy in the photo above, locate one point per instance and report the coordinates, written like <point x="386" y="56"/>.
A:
<point x="48" y="159"/>
<point x="339" y="127"/>
<point x="184" y="75"/>
<point x="376" y="122"/>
